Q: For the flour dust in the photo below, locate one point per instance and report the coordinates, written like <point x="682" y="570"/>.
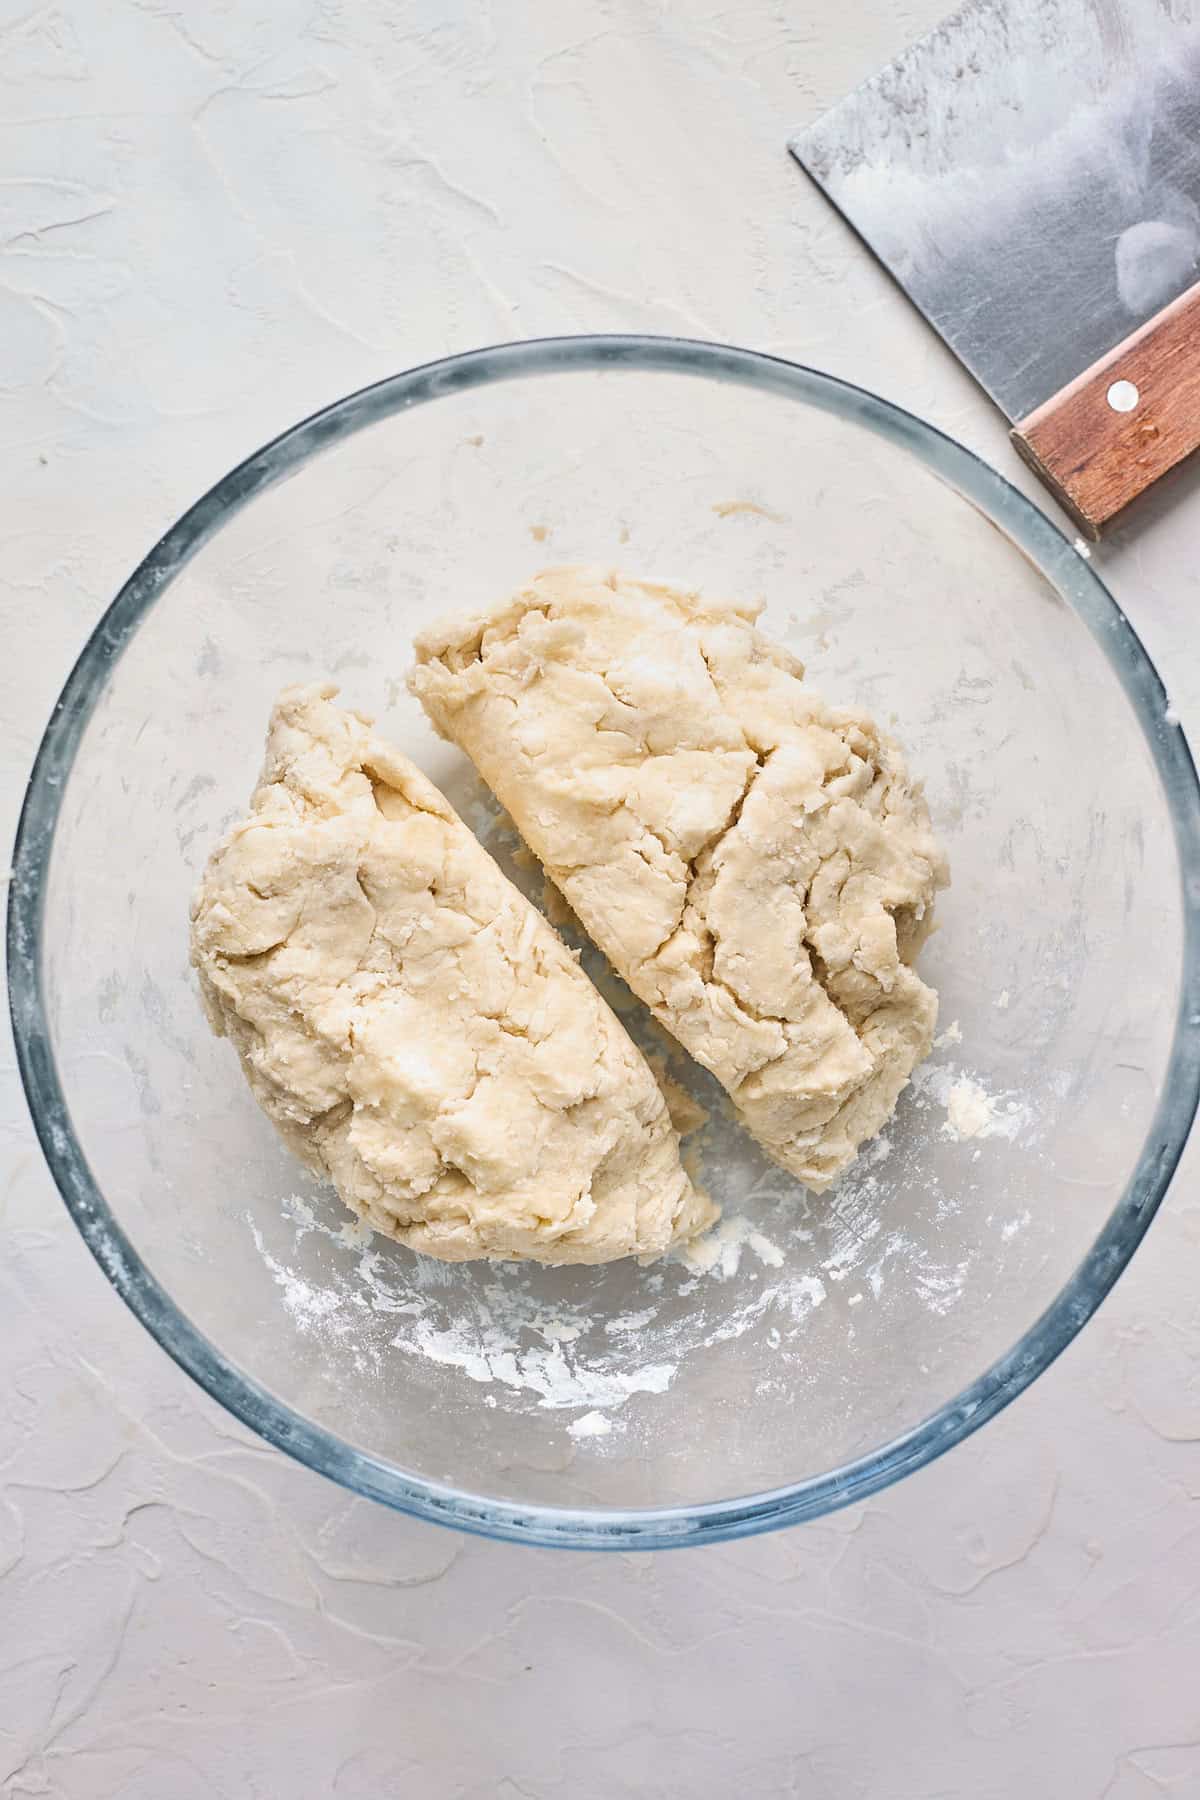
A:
<point x="807" y="1282"/>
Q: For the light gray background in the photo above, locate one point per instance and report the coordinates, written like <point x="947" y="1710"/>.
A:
<point x="214" y="216"/>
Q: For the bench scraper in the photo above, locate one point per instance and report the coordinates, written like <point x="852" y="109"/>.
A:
<point x="1030" y="174"/>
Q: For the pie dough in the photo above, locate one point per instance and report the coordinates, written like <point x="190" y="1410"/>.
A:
<point x="758" y="866"/>
<point x="414" y="1028"/>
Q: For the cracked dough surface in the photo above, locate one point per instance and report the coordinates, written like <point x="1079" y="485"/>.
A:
<point x="412" y="1025"/>
<point x="758" y="866"/>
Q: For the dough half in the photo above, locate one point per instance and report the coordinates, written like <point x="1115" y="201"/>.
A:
<point x="758" y="866"/>
<point x="414" y="1028"/>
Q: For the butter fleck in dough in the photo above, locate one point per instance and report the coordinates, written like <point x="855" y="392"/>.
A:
<point x="757" y="866"/>
<point x="417" y="1032"/>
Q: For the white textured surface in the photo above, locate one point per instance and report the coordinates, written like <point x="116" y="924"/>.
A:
<point x="215" y="215"/>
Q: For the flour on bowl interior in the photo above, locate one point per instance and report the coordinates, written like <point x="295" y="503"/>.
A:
<point x="776" y="1258"/>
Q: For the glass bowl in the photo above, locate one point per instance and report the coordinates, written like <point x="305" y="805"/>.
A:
<point x="816" y="1348"/>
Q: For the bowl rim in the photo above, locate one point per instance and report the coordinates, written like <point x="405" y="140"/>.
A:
<point x="1064" y="565"/>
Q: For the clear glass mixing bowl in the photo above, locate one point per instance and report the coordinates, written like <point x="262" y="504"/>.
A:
<point x="829" y="1345"/>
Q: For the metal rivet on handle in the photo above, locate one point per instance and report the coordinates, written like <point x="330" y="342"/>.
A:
<point x="1123" y="396"/>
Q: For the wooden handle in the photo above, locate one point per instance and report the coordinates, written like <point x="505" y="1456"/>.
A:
<point x="1133" y="415"/>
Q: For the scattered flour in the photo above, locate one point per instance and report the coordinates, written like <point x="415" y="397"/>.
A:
<point x="589" y="1343"/>
<point x="631" y="1321"/>
<point x="971" y="1112"/>
<point x="490" y="1327"/>
<point x="555" y="1378"/>
<point x="719" y="1252"/>
<point x="591" y="1425"/>
<point x="769" y="1254"/>
<point x="308" y="1305"/>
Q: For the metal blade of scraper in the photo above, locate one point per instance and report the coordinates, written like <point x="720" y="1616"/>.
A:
<point x="1030" y="174"/>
